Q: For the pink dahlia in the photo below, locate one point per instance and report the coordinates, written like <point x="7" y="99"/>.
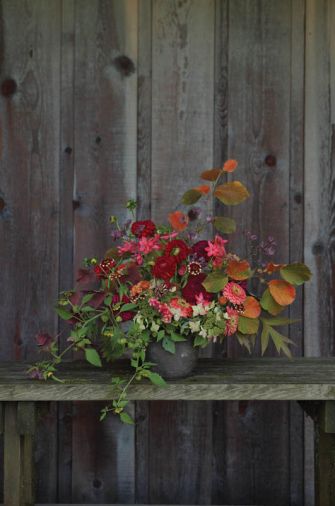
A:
<point x="217" y="247"/>
<point x="232" y="322"/>
<point x="234" y="293"/>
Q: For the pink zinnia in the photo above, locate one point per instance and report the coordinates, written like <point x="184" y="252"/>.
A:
<point x="234" y="293"/>
<point x="216" y="248"/>
<point x="232" y="322"/>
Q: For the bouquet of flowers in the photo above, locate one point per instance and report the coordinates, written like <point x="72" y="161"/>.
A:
<point x="171" y="285"/>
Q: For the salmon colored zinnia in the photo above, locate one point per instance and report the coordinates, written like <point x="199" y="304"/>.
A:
<point x="234" y="293"/>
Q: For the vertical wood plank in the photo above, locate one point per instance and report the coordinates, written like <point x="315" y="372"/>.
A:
<point x="12" y="457"/>
<point x="180" y="438"/>
<point x="105" y="178"/>
<point x="262" y="66"/>
<point x="319" y="201"/>
<point x="29" y="165"/>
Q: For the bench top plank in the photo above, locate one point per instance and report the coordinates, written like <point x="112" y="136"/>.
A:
<point x="231" y="379"/>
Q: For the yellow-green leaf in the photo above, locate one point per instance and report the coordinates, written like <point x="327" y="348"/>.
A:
<point x="215" y="281"/>
<point x="296" y="273"/>
<point x="248" y="325"/>
<point x="224" y="225"/>
<point x="191" y="197"/>
<point x="232" y="193"/>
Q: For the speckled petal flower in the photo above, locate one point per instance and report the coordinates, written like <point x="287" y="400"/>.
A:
<point x="234" y="293"/>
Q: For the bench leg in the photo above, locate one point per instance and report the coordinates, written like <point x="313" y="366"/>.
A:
<point x="19" y="425"/>
<point x="325" y="455"/>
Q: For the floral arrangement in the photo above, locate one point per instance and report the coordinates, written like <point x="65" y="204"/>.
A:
<point x="167" y="284"/>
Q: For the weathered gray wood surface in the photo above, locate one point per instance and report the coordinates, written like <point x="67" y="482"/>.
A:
<point x="242" y="379"/>
<point x="86" y="130"/>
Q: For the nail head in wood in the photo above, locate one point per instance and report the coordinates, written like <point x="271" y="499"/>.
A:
<point x="8" y="87"/>
<point x="124" y="65"/>
<point x="68" y="150"/>
<point x="270" y="160"/>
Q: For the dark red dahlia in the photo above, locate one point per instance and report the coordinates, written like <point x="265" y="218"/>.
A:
<point x="178" y="249"/>
<point x="145" y="228"/>
<point x="194" y="287"/>
<point x="103" y="269"/>
<point x="164" y="268"/>
<point x="199" y="249"/>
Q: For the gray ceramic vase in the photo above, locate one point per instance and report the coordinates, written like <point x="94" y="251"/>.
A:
<point x="173" y="365"/>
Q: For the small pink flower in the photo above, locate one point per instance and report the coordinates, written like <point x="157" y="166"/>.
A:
<point x="234" y="293"/>
<point x="232" y="322"/>
<point x="217" y="247"/>
<point x="162" y="308"/>
<point x="182" y="269"/>
<point x="167" y="237"/>
<point x="148" y="244"/>
<point x="127" y="247"/>
<point x="200" y="299"/>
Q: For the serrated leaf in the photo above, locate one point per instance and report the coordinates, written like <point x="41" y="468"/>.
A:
<point x="65" y="315"/>
<point x="283" y="292"/>
<point x="168" y="345"/>
<point x="215" y="281"/>
<point x="211" y="174"/>
<point x="280" y="342"/>
<point x="245" y="341"/>
<point x="231" y="193"/>
<point x="191" y="197"/>
<point x="224" y="225"/>
<point x="93" y="357"/>
<point x="269" y="304"/>
<point x="296" y="273"/>
<point x="156" y="379"/>
<point x="265" y="338"/>
<point x="279" y="320"/>
<point x="247" y="325"/>
<point x="125" y="418"/>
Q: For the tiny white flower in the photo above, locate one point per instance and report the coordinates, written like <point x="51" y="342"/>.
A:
<point x="154" y="327"/>
<point x="194" y="326"/>
<point x="203" y="332"/>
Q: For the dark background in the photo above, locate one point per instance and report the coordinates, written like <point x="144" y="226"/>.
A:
<point x="102" y="101"/>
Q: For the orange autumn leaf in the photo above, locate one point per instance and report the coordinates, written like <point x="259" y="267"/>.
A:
<point x="203" y="188"/>
<point x="282" y="291"/>
<point x="222" y="300"/>
<point x="211" y="174"/>
<point x="252" y="308"/>
<point x="238" y="270"/>
<point x="178" y="220"/>
<point x="271" y="268"/>
<point x="230" y="165"/>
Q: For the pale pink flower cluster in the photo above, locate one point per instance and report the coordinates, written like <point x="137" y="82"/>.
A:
<point x="232" y="322"/>
<point x="162" y="308"/>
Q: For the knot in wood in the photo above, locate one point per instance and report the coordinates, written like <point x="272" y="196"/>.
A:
<point x="124" y="65"/>
<point x="270" y="160"/>
<point x="8" y="87"/>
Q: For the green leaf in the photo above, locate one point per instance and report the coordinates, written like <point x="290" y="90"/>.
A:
<point x="108" y="300"/>
<point x="191" y="197"/>
<point x="128" y="307"/>
<point x="200" y="341"/>
<point x="168" y="345"/>
<point x="87" y="298"/>
<point x="279" y="320"/>
<point x="87" y="309"/>
<point x="265" y="337"/>
<point x="245" y="341"/>
<point x="65" y="315"/>
<point x="296" y="273"/>
<point x="224" y="225"/>
<point x="93" y="357"/>
<point x="160" y="335"/>
<point x="156" y="379"/>
<point x="177" y="338"/>
<point x="232" y="193"/>
<point x="269" y="304"/>
<point x="248" y="325"/>
<point x="280" y="342"/>
<point x="215" y="281"/>
<point x="125" y="418"/>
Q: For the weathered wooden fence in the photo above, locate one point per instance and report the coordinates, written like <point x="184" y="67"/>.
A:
<point x="105" y="100"/>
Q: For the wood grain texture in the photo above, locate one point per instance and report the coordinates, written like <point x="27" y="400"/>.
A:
<point x="105" y="143"/>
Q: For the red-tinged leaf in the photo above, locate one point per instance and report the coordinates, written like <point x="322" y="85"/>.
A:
<point x="252" y="308"/>
<point x="215" y="281"/>
<point x="232" y="193"/>
<point x="86" y="276"/>
<point x="269" y="304"/>
<point x="211" y="174"/>
<point x="230" y="165"/>
<point x="238" y="270"/>
<point x="296" y="273"/>
<point x="248" y="325"/>
<point x="191" y="197"/>
<point x="283" y="292"/>
<point x="204" y="189"/>
<point x="271" y="267"/>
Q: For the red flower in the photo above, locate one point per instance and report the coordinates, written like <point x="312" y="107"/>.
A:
<point x="164" y="267"/>
<point x="145" y="228"/>
<point x="104" y="268"/>
<point x="199" y="249"/>
<point x="44" y="341"/>
<point x="178" y="249"/>
<point x="194" y="287"/>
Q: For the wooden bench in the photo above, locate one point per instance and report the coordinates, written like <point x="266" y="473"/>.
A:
<point x="309" y="381"/>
